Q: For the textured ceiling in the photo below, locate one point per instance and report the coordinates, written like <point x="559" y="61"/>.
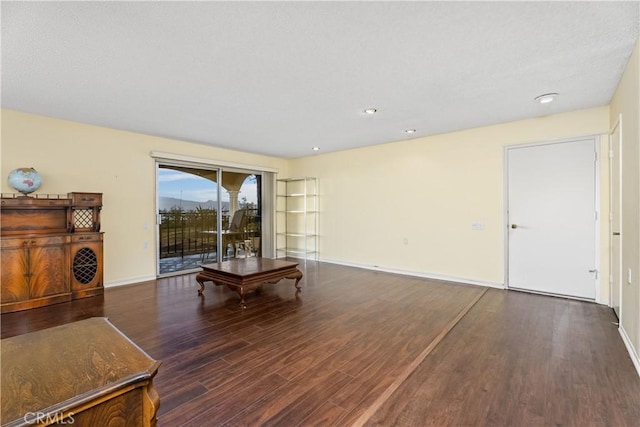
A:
<point x="281" y="77"/>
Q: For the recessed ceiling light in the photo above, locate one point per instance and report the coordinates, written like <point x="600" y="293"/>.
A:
<point x="370" y="111"/>
<point x="546" y="98"/>
<point x="410" y="131"/>
<point x="316" y="148"/>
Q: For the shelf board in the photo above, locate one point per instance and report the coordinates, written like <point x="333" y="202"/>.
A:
<point x="296" y="251"/>
<point x="303" y="178"/>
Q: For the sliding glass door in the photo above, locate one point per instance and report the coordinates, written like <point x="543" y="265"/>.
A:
<point x="241" y="214"/>
<point x="206" y="215"/>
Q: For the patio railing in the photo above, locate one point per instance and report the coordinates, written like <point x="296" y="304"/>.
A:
<point x="189" y="233"/>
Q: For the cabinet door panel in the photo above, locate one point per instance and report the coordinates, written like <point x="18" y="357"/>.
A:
<point x="49" y="270"/>
<point x="14" y="277"/>
<point x="86" y="265"/>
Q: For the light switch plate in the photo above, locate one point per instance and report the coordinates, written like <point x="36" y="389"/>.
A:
<point x="477" y="226"/>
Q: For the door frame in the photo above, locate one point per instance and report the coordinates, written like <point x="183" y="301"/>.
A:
<point x="617" y="125"/>
<point x="505" y="207"/>
<point x="267" y="194"/>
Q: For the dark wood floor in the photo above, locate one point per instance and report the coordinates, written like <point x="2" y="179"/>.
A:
<point x="333" y="354"/>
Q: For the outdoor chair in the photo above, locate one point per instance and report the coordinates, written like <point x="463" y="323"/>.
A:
<point x="234" y="237"/>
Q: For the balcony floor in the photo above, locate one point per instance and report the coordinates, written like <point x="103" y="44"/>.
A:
<point x="187" y="262"/>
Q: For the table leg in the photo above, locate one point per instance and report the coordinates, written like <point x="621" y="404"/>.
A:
<point x="295" y="275"/>
<point x="240" y="292"/>
<point x="201" y="279"/>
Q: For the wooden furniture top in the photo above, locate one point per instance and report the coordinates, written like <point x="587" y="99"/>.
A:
<point x="57" y="369"/>
<point x="248" y="267"/>
<point x="47" y="213"/>
<point x="41" y="200"/>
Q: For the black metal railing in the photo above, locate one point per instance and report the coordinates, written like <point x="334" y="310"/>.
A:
<point x="194" y="232"/>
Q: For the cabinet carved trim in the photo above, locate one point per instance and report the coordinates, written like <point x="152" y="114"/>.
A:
<point x="50" y="249"/>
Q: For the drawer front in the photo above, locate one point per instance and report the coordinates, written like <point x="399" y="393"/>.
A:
<point x="86" y="237"/>
<point x="30" y="202"/>
<point x="86" y="199"/>
<point x="18" y="242"/>
<point x="51" y="240"/>
<point x="13" y="243"/>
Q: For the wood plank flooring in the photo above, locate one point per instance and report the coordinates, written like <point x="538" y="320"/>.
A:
<point x="327" y="355"/>
<point x="521" y="359"/>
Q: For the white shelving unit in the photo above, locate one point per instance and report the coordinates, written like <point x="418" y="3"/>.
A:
<point x="297" y="218"/>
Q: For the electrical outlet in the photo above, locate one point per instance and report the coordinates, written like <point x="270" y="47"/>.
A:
<point x="405" y="241"/>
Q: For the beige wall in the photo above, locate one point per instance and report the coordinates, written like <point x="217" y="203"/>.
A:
<point x="430" y="191"/>
<point x="626" y="102"/>
<point x="76" y="157"/>
<point x="427" y="190"/>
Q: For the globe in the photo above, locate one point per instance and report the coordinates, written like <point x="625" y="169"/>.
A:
<point x="25" y="180"/>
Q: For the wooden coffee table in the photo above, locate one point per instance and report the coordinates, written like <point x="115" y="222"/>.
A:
<point x="248" y="274"/>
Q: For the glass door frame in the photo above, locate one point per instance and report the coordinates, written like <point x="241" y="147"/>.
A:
<point x="267" y="175"/>
<point x="159" y="165"/>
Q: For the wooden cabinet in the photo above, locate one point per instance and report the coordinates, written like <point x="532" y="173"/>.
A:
<point x="34" y="271"/>
<point x="50" y="250"/>
<point x="85" y="373"/>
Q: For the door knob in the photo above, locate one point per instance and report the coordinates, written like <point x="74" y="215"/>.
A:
<point x="514" y="226"/>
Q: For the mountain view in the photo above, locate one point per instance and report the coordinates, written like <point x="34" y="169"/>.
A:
<point x="165" y="204"/>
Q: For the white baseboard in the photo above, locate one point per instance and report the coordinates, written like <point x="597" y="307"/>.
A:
<point x="129" y="281"/>
<point x="422" y="274"/>
<point x="632" y="352"/>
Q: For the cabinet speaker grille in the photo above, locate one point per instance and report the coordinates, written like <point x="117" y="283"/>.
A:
<point x="85" y="265"/>
<point x="83" y="218"/>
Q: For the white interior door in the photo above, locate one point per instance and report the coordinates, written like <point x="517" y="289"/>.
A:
<point x="551" y="218"/>
<point x="615" y="219"/>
